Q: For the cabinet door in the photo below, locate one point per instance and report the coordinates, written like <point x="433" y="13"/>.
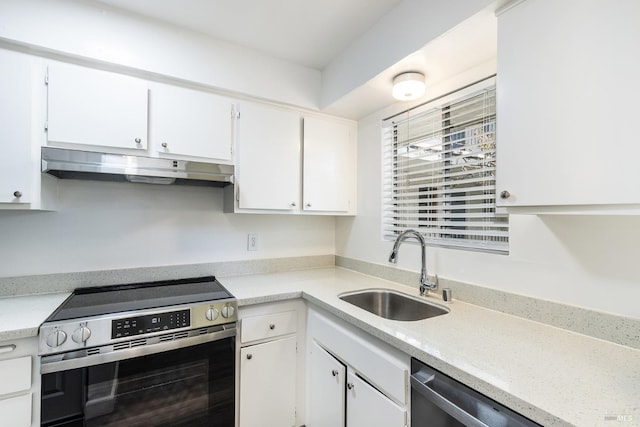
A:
<point x="190" y="123"/>
<point x="268" y="158"/>
<point x="329" y="166"/>
<point x="15" y="127"/>
<point x="16" y="411"/>
<point x="565" y="118"/>
<point x="268" y="384"/>
<point x="361" y="401"/>
<point x="94" y="107"/>
<point x="326" y="389"/>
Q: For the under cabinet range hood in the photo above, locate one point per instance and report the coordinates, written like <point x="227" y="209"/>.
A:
<point x="91" y="165"/>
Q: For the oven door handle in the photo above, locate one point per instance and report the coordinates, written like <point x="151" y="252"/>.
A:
<point x="79" y="359"/>
<point x="420" y="382"/>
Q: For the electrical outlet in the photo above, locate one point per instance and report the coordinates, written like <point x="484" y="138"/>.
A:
<point x="253" y="242"/>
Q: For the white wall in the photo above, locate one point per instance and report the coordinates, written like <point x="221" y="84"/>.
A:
<point x="587" y="261"/>
<point x="105" y="225"/>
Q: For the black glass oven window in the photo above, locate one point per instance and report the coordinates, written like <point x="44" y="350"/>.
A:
<point x="183" y="388"/>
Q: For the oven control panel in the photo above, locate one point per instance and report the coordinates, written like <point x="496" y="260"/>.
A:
<point x="138" y="325"/>
<point x="75" y="334"/>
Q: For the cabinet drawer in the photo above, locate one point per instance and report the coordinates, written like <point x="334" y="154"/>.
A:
<point x="16" y="411"/>
<point x="15" y="374"/>
<point x="268" y="326"/>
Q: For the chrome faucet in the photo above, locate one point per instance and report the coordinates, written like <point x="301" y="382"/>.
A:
<point x="425" y="283"/>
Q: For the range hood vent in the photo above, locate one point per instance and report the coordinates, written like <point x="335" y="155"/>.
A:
<point x="75" y="164"/>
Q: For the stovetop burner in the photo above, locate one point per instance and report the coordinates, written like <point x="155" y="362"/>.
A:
<point x="95" y="301"/>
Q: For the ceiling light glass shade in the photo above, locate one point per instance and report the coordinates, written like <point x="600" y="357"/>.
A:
<point x="408" y="86"/>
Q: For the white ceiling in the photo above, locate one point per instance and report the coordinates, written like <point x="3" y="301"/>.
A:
<point x="312" y="33"/>
<point x="306" y="32"/>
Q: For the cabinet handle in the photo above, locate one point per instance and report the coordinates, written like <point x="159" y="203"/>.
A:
<point x="164" y="145"/>
<point x="334" y="373"/>
<point x="308" y="205"/>
<point x="249" y="356"/>
<point x="138" y="140"/>
<point x="350" y="386"/>
<point x="293" y="205"/>
<point x="272" y="326"/>
<point x="17" y="194"/>
<point x="505" y="194"/>
<point x="7" y="348"/>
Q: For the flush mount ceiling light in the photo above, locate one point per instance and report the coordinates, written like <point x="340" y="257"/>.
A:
<point x="408" y="86"/>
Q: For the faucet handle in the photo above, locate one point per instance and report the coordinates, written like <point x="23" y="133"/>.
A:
<point x="427" y="285"/>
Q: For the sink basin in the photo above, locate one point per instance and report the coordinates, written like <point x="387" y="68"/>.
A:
<point x="393" y="305"/>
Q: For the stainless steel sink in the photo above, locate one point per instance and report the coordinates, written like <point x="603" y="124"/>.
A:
<point x="393" y="305"/>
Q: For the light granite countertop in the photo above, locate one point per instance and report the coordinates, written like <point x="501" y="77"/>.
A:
<point x="555" y="377"/>
<point x="551" y="375"/>
<point x="21" y="316"/>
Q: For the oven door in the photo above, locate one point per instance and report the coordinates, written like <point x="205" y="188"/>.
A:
<point x="186" y="386"/>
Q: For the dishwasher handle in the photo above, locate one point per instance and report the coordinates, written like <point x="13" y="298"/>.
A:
<point x="420" y="383"/>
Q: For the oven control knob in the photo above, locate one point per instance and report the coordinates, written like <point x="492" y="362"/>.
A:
<point x="57" y="338"/>
<point x="212" y="314"/>
<point x="228" y="311"/>
<point x="81" y="334"/>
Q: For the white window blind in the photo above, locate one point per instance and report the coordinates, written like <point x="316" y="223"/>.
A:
<point x="439" y="165"/>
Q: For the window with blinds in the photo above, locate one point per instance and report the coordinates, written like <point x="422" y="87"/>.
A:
<point x="439" y="172"/>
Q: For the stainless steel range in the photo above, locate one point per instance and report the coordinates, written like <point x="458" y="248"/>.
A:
<point x="147" y="354"/>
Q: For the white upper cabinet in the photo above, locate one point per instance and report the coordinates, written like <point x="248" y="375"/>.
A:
<point x="329" y="166"/>
<point x="15" y="128"/>
<point x="94" y="107"/>
<point x="187" y="122"/>
<point x="283" y="167"/>
<point x="22" y="114"/>
<point x="267" y="158"/>
<point x="567" y="101"/>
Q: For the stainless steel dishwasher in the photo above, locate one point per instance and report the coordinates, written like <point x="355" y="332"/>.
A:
<point x="440" y="401"/>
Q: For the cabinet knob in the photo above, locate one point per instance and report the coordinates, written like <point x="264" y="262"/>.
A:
<point x="164" y="145"/>
<point x="334" y="373"/>
<point x="505" y="194"/>
<point x="308" y="205"/>
<point x="138" y="140"/>
<point x="350" y="386"/>
<point x="249" y="356"/>
<point x="17" y="194"/>
<point x="293" y="205"/>
<point x="272" y="326"/>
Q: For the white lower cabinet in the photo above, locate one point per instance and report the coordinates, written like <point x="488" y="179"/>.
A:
<point x="19" y="386"/>
<point x="353" y="380"/>
<point x="268" y="384"/>
<point x="271" y="366"/>
<point x="367" y="407"/>
<point x="326" y="388"/>
<point x="16" y="411"/>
